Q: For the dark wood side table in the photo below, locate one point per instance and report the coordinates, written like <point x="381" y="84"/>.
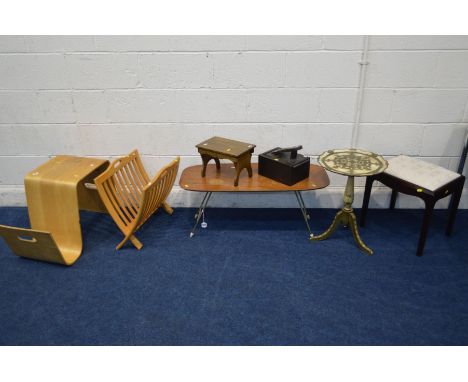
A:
<point x="350" y="162"/>
<point x="240" y="153"/>
<point x="221" y="181"/>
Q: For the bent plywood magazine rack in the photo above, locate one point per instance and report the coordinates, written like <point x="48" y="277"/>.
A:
<point x="131" y="197"/>
<point x="55" y="192"/>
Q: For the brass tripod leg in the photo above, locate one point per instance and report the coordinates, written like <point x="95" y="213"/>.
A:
<point x="334" y="225"/>
<point x="346" y="217"/>
<point x="354" y="229"/>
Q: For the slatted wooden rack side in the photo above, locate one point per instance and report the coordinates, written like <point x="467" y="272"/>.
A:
<point x="131" y="197"/>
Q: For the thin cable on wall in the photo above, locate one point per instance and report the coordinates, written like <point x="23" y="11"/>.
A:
<point x="362" y="79"/>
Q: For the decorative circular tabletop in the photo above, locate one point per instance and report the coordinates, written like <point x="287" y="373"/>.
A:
<point x="352" y="162"/>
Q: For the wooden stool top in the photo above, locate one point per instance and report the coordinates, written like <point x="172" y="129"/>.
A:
<point x="226" y="146"/>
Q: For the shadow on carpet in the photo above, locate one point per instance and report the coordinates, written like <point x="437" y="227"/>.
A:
<point x="251" y="278"/>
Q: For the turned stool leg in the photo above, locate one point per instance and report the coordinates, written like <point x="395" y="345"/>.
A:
<point x="393" y="198"/>
<point x="365" y="201"/>
<point x="205" y="158"/>
<point x="248" y="165"/>
<point x="453" y="208"/>
<point x="249" y="170"/>
<point x="425" y="226"/>
<point x="238" y="167"/>
<point x="218" y="164"/>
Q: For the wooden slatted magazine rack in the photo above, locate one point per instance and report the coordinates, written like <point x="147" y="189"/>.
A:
<point x="131" y="197"/>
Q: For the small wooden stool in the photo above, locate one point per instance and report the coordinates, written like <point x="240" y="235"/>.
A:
<point x="422" y="179"/>
<point x="240" y="153"/>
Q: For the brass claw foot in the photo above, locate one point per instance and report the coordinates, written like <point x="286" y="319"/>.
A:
<point x="345" y="218"/>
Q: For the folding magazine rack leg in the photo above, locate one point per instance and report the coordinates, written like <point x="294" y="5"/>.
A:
<point x="55" y="192"/>
<point x="131" y="197"/>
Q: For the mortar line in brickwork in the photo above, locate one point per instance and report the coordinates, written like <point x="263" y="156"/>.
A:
<point x="419" y="50"/>
<point x="413" y="123"/>
<point x="243" y="89"/>
<point x="72" y="123"/>
<point x="221" y="123"/>
<point x="177" y="123"/>
<point x="179" y="89"/>
<point x="233" y="51"/>
<point x="173" y="123"/>
<point x="165" y="52"/>
<point x="416" y="88"/>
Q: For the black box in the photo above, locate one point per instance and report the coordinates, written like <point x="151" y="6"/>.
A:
<point x="282" y="168"/>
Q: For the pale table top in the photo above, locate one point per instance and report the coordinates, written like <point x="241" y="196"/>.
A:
<point x="352" y="162"/>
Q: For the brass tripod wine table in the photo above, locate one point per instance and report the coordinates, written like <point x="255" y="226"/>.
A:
<point x="352" y="163"/>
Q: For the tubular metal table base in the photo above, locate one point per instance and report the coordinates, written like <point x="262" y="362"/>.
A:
<point x="200" y="211"/>
<point x="207" y="197"/>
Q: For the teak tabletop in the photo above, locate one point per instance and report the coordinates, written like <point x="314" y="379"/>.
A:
<point x="221" y="181"/>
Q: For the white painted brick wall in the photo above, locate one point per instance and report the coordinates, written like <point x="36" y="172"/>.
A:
<point x="428" y="105"/>
<point x="322" y="69"/>
<point x="176" y="70"/>
<point x="31" y="106"/>
<point x="248" y="70"/>
<point x="38" y="71"/>
<point x="401" y="69"/>
<point x="451" y="70"/>
<point x="406" y="138"/>
<point x="103" y="71"/>
<point x="105" y="95"/>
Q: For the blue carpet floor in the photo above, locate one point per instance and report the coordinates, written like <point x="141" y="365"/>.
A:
<point x="251" y="278"/>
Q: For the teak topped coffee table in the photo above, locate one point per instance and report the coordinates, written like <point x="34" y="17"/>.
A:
<point x="220" y="180"/>
<point x="218" y="148"/>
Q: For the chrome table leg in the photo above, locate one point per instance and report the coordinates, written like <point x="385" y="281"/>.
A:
<point x="200" y="212"/>
<point x="303" y="208"/>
